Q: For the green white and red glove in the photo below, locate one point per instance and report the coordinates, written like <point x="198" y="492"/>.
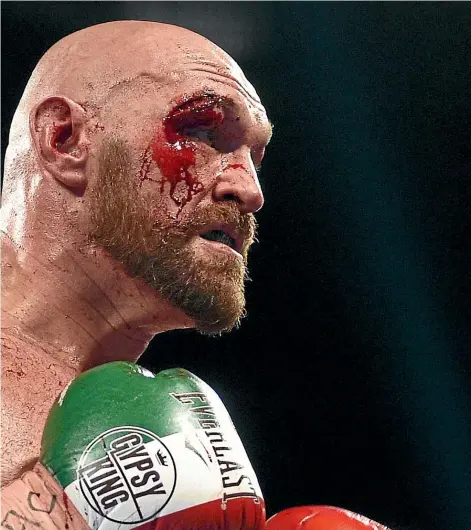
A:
<point x="124" y="448"/>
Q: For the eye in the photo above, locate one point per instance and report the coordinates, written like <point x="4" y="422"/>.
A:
<point x="201" y="126"/>
<point x="208" y="136"/>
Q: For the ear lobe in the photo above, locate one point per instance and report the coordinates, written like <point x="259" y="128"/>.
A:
<point x="57" y="126"/>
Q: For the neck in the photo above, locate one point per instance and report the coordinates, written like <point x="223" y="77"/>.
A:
<point x="79" y="306"/>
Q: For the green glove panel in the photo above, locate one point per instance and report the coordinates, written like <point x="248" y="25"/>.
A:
<point x="129" y="447"/>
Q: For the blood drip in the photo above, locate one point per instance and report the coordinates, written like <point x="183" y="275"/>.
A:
<point x="145" y="165"/>
<point x="234" y="166"/>
<point x="174" y="149"/>
<point x="65" y="499"/>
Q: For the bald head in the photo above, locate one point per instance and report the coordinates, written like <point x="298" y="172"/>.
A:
<point x="88" y="64"/>
<point x="118" y="59"/>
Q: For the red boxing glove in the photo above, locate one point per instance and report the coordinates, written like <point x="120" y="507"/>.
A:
<point x="320" y="518"/>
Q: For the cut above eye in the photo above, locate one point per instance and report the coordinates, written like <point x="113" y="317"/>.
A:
<point x="220" y="236"/>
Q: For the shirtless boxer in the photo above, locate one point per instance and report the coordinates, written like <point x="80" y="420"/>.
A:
<point x="127" y="209"/>
<point x="129" y="192"/>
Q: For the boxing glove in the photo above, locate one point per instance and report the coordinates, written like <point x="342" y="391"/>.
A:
<point x="320" y="518"/>
<point x="123" y="448"/>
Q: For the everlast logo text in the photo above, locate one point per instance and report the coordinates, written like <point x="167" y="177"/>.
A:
<point x="135" y="465"/>
<point x="236" y="479"/>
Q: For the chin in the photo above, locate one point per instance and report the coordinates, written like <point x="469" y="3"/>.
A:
<point x="226" y="319"/>
<point x="218" y="328"/>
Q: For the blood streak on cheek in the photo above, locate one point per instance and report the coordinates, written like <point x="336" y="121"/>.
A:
<point x="174" y="149"/>
<point x="175" y="155"/>
<point x="235" y="166"/>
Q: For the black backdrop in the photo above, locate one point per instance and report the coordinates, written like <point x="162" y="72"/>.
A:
<point x="349" y="381"/>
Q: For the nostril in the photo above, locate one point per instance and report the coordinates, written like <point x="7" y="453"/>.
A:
<point x="232" y="197"/>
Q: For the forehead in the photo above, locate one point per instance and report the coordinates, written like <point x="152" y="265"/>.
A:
<point x="204" y="67"/>
<point x="167" y="74"/>
<point x="198" y="75"/>
<point x="222" y="70"/>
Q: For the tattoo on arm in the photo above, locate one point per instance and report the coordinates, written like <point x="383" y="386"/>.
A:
<point x="33" y="497"/>
<point x="14" y="521"/>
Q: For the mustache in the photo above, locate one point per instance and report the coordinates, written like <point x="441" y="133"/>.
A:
<point x="245" y="225"/>
<point x="114" y="171"/>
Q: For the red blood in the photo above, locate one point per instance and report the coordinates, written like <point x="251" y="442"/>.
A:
<point x="66" y="506"/>
<point x="175" y="155"/>
<point x="145" y="165"/>
<point x="234" y="166"/>
<point x="174" y="146"/>
<point x="66" y="501"/>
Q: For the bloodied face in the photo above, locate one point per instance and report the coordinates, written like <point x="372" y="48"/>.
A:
<point x="181" y="215"/>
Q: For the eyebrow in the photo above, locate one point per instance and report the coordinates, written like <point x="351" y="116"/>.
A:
<point x="201" y="97"/>
<point x="215" y="98"/>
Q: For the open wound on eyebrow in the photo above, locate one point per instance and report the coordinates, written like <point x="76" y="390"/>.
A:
<point x="173" y="149"/>
<point x="200" y="113"/>
<point x="175" y="153"/>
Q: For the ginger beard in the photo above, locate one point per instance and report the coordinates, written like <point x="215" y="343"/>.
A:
<point x="210" y="289"/>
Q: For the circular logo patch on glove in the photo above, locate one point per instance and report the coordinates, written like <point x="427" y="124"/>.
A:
<point x="127" y="475"/>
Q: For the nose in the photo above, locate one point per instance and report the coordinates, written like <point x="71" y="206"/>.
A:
<point x="239" y="183"/>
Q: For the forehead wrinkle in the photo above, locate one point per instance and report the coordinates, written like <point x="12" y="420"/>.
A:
<point x="229" y="80"/>
<point x="141" y="76"/>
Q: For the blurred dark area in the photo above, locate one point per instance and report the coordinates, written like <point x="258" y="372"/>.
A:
<point x="350" y="379"/>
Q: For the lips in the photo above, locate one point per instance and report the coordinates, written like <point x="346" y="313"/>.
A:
<point x="224" y="234"/>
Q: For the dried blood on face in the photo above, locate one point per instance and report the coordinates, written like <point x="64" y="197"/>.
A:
<point x="175" y="145"/>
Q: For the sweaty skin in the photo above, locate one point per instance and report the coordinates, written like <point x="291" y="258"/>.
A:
<point x="126" y="131"/>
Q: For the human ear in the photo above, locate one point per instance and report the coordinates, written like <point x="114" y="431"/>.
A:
<point x="57" y="126"/>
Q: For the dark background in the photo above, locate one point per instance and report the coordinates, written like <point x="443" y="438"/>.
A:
<point x="350" y="380"/>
